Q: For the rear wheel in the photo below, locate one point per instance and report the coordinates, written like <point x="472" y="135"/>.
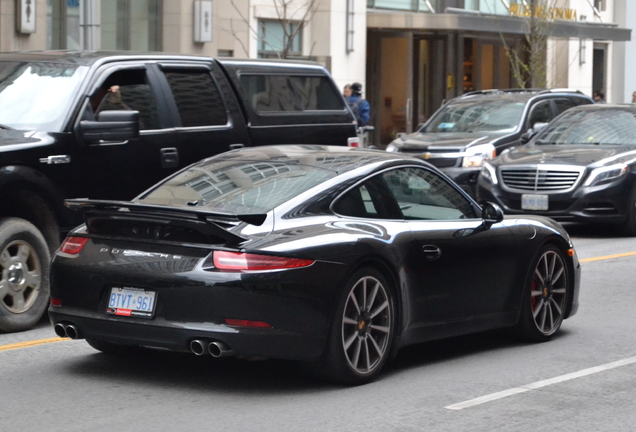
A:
<point x="545" y="296"/>
<point x="24" y="270"/>
<point x="362" y="333"/>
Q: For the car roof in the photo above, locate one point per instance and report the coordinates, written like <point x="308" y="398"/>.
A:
<point x="521" y="95"/>
<point x="335" y="158"/>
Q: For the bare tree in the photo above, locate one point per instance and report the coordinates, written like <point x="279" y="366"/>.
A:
<point x="291" y="14"/>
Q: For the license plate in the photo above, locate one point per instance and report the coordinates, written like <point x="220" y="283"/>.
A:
<point x="127" y="301"/>
<point x="534" y="202"/>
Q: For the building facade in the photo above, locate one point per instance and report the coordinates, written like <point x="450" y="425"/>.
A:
<point x="410" y="55"/>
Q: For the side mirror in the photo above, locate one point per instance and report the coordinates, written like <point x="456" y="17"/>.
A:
<point x="525" y="137"/>
<point x="491" y="214"/>
<point x="118" y="125"/>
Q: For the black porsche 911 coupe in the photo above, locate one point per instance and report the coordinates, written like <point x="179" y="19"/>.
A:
<point x="336" y="256"/>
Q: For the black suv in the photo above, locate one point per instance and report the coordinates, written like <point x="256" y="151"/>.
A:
<point x="477" y="126"/>
<point x="109" y="125"/>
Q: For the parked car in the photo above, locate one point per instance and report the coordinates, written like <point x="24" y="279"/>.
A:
<point x="580" y="168"/>
<point x="475" y="127"/>
<point x="110" y="125"/>
<point x="337" y="256"/>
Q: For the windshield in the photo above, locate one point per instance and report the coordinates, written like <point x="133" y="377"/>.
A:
<point x="477" y="116"/>
<point x="37" y="96"/>
<point x="612" y="126"/>
<point x="238" y="187"/>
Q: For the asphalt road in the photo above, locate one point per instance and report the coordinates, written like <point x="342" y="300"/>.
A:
<point x="583" y="380"/>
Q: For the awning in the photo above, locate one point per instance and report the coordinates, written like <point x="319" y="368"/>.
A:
<point x="498" y="24"/>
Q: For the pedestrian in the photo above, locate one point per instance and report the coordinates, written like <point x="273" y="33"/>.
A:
<point x="346" y="92"/>
<point x="360" y="107"/>
<point x="599" y="97"/>
<point x="634" y="97"/>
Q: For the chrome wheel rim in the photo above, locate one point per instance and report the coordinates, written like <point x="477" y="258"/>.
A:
<point x="549" y="292"/>
<point x="366" y="325"/>
<point x="21" y="274"/>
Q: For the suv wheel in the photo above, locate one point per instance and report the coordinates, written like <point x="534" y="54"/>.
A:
<point x="24" y="269"/>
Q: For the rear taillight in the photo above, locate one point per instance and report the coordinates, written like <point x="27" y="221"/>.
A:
<point x="73" y="245"/>
<point x="353" y="142"/>
<point x="236" y="261"/>
<point x="247" y="323"/>
<point x="56" y="302"/>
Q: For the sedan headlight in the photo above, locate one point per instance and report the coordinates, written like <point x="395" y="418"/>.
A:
<point x="391" y="148"/>
<point x="489" y="173"/>
<point x="605" y="174"/>
<point x="476" y="156"/>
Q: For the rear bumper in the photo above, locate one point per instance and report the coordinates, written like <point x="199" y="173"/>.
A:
<point x="159" y="333"/>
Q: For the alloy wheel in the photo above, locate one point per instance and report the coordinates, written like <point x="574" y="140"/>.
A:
<point x="549" y="292"/>
<point x="366" y="325"/>
<point x="20" y="276"/>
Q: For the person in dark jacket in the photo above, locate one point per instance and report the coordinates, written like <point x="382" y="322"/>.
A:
<point x="360" y="107"/>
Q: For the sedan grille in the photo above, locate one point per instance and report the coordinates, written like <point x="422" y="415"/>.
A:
<point x="539" y="180"/>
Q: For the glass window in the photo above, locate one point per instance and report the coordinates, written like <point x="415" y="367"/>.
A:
<point x="424" y="195"/>
<point x="372" y="199"/>
<point x="275" y="40"/>
<point x="290" y="93"/>
<point x="197" y="97"/>
<point x="38" y="96"/>
<point x="563" y="104"/>
<point x="128" y="90"/>
<point x="239" y="187"/>
<point x="63" y="24"/>
<point x="131" y="25"/>
<point x="613" y="126"/>
<point x="477" y="116"/>
<point x="541" y="113"/>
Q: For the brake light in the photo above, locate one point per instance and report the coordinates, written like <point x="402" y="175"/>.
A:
<point x="246" y="323"/>
<point x="237" y="261"/>
<point x="353" y="142"/>
<point x="73" y="245"/>
<point x="56" y="302"/>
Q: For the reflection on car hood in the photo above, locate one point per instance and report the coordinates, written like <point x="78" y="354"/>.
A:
<point x="443" y="140"/>
<point x="580" y="155"/>
<point x="11" y="139"/>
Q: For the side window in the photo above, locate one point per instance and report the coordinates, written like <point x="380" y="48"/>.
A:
<point x="275" y="93"/>
<point x="372" y="199"/>
<point x="541" y="113"/>
<point x="197" y="97"/>
<point x="424" y="195"/>
<point x="128" y="90"/>
<point x="563" y="104"/>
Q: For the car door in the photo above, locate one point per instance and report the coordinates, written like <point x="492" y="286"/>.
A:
<point x="206" y="114"/>
<point x="122" y="169"/>
<point x="460" y="270"/>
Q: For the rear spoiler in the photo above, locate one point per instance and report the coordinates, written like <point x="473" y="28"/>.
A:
<point x="205" y="220"/>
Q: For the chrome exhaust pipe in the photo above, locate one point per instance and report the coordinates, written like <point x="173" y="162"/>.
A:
<point x="72" y="331"/>
<point x="219" y="349"/>
<point x="197" y="347"/>
<point x="60" y="330"/>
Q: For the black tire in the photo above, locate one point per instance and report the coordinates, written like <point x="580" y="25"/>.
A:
<point x="116" y="349"/>
<point x="545" y="296"/>
<point x="24" y="275"/>
<point x="628" y="227"/>
<point x="361" y="336"/>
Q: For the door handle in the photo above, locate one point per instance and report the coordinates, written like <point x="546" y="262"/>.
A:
<point x="431" y="252"/>
<point x="169" y="157"/>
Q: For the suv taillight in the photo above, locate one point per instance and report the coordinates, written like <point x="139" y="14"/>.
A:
<point x="73" y="245"/>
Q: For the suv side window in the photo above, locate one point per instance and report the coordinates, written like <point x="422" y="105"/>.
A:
<point x="274" y="93"/>
<point x="128" y="90"/>
<point x="563" y="104"/>
<point x="198" y="98"/>
<point x="541" y="113"/>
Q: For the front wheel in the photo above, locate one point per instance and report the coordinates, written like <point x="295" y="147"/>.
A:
<point x="545" y="296"/>
<point x="363" y="330"/>
<point x="24" y="270"/>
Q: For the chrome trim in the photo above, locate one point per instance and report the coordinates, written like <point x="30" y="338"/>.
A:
<point x="536" y="170"/>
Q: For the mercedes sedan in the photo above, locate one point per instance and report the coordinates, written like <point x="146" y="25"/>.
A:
<point x="334" y="256"/>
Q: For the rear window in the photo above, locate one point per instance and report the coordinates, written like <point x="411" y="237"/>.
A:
<point x="276" y="93"/>
<point x="238" y="187"/>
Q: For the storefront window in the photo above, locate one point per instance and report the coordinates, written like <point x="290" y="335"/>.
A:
<point x="128" y="25"/>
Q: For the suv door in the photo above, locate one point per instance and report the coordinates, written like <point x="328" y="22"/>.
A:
<point x="124" y="168"/>
<point x="204" y="111"/>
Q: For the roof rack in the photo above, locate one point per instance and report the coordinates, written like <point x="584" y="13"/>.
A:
<point x="498" y="91"/>
<point x="561" y="90"/>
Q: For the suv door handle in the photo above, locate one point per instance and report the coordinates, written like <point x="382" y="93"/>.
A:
<point x="431" y="252"/>
<point x="169" y="157"/>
